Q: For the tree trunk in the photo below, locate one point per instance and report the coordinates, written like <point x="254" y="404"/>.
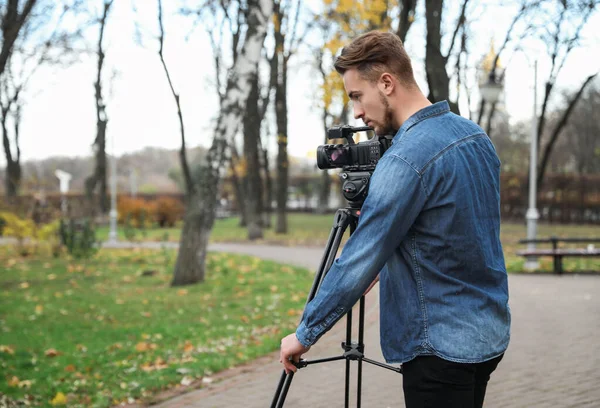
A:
<point x="268" y="190"/>
<point x="238" y="187"/>
<point x="200" y="211"/>
<point x="12" y="22"/>
<point x="13" y="164"/>
<point x="252" y="178"/>
<point x="191" y="258"/>
<point x="282" y="155"/>
<point x="99" y="175"/>
<point x="407" y="16"/>
<point x="435" y="61"/>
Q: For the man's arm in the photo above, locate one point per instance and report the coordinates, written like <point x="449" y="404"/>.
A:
<point x="396" y="197"/>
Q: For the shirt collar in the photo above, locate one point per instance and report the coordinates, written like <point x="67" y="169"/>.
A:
<point x="427" y="112"/>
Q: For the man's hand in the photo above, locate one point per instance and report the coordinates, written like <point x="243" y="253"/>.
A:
<point x="291" y="348"/>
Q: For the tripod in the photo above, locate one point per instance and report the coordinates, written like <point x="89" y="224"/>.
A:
<point x="352" y="351"/>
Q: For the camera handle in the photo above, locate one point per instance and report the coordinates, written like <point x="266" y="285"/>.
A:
<point x="352" y="351"/>
<point x="346" y="132"/>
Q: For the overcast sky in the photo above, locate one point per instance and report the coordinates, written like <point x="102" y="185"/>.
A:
<point x="59" y="116"/>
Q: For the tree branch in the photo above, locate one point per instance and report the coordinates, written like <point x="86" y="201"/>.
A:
<point x="459" y="24"/>
<point x="189" y="184"/>
<point x="559" y="127"/>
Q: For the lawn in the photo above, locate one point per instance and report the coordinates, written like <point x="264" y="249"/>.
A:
<point x="303" y="229"/>
<point x="313" y="230"/>
<point x="101" y="332"/>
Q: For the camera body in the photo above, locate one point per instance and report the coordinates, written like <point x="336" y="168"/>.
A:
<point x="357" y="160"/>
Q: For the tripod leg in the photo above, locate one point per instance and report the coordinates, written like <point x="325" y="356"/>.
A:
<point x="278" y="391"/>
<point x="361" y="323"/>
<point x="348" y="342"/>
<point x="341" y="222"/>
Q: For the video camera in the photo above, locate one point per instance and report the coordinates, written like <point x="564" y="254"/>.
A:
<point x="357" y="160"/>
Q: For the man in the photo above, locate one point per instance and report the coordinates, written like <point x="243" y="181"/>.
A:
<point x="429" y="228"/>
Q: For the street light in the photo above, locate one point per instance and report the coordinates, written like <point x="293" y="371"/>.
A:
<point x="64" y="179"/>
<point x="532" y="214"/>
<point x="491" y="89"/>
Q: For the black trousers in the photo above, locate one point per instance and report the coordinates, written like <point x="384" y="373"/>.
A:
<point x="431" y="382"/>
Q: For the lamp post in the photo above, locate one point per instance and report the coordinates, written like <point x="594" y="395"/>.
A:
<point x="532" y="214"/>
<point x="112" y="235"/>
<point x="64" y="178"/>
<point x="490" y="88"/>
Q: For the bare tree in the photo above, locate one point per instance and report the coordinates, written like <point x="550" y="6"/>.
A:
<point x="581" y="139"/>
<point x="286" y="27"/>
<point x="98" y="178"/>
<point x="569" y="18"/>
<point x="32" y="36"/>
<point x="435" y="61"/>
<point x="200" y="211"/>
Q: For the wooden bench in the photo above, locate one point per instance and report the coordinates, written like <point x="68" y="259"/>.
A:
<point x="559" y="253"/>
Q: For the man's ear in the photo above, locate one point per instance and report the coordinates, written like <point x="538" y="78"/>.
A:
<point x="386" y="83"/>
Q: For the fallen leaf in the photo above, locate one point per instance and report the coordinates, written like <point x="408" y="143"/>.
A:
<point x="274" y="288"/>
<point x="39" y="309"/>
<point x="6" y="349"/>
<point x="182" y="292"/>
<point x="119" y="301"/>
<point x="25" y="384"/>
<point x="185" y="381"/>
<point x="142" y="346"/>
<point x="245" y="319"/>
<point x="188" y="347"/>
<point x="14" y="381"/>
<point x="59" y="399"/>
<point x="146" y="314"/>
<point x="24" y="285"/>
<point x="52" y="353"/>
<point x="52" y="276"/>
<point x="70" y="368"/>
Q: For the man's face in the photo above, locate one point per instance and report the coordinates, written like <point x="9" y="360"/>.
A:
<point x="369" y="103"/>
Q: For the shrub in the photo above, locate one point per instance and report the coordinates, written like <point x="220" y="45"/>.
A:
<point x="19" y="228"/>
<point x="79" y="237"/>
<point x="167" y="211"/>
<point x="134" y="211"/>
<point x="49" y="233"/>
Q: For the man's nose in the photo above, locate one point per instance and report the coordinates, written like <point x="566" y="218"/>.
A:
<point x="358" y="112"/>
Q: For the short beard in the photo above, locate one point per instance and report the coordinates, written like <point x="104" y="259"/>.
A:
<point x="387" y="127"/>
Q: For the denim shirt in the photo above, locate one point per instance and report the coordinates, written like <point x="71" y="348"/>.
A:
<point x="430" y="226"/>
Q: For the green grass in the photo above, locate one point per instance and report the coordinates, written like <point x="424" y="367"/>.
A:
<point x="120" y="335"/>
<point x="313" y="230"/>
<point x="303" y="229"/>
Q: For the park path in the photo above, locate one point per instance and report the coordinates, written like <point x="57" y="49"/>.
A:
<point x="553" y="359"/>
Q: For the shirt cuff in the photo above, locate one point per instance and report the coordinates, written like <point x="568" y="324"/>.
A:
<point x="304" y="335"/>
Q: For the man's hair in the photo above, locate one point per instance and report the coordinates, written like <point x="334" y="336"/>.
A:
<point x="374" y="53"/>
